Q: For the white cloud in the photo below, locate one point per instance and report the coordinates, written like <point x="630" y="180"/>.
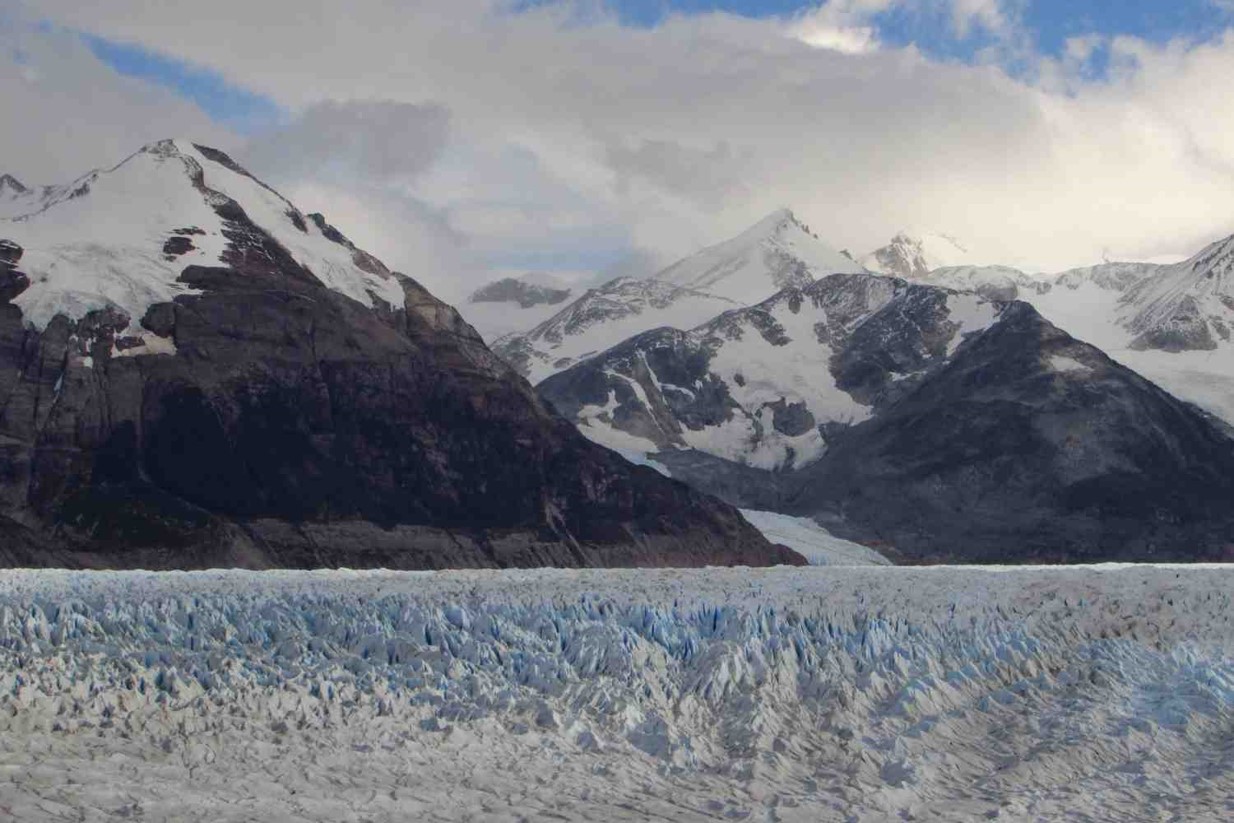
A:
<point x="65" y="112"/>
<point x="567" y="134"/>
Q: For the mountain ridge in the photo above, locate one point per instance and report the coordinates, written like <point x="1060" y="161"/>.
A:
<point x="208" y="376"/>
<point x="845" y="405"/>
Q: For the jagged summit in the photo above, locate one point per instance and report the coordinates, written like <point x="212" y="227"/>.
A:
<point x="169" y="205"/>
<point x="914" y="255"/>
<point x="776" y="252"/>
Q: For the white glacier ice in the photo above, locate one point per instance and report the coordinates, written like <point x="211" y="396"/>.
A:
<point x="814" y="694"/>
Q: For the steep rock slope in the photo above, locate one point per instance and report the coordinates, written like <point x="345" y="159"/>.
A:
<point x="193" y="372"/>
<point x="602" y="317"/>
<point x="1030" y="446"/>
<point x="770" y="385"/>
<point x="1170" y="323"/>
<point x="777" y="252"/>
<point x="932" y="423"/>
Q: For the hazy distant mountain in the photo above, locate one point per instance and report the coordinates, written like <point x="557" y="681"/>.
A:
<point x="777" y="252"/>
<point x="514" y="304"/>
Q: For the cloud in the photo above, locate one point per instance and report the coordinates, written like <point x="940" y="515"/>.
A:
<point x="573" y="137"/>
<point x="65" y="112"/>
<point x="383" y="140"/>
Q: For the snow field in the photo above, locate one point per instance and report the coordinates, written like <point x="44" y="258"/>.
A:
<point x="785" y="694"/>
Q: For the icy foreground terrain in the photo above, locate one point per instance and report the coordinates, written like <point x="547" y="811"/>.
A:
<point x="786" y="694"/>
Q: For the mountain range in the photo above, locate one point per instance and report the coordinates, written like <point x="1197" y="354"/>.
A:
<point x="936" y="425"/>
<point x="193" y="372"/>
<point x="839" y="398"/>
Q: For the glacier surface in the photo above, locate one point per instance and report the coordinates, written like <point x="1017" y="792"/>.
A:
<point x="1096" y="693"/>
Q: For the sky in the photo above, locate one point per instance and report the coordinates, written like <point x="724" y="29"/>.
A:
<point x="466" y="139"/>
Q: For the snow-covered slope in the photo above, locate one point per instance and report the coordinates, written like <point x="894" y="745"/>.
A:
<point x="992" y="282"/>
<point x="777" y="252"/>
<point x="603" y="317"/>
<point x="1170" y="323"/>
<point x="764" y="386"/>
<point x="789" y="695"/>
<point x="913" y="255"/>
<point x="514" y="304"/>
<point x="120" y="238"/>
<point x="884" y="409"/>
<point x="812" y="541"/>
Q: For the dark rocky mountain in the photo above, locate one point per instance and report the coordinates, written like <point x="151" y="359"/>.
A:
<point x="770" y="386"/>
<point x="933" y="425"/>
<point x="257" y="391"/>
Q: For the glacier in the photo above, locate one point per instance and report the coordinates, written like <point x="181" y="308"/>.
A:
<point x="826" y="693"/>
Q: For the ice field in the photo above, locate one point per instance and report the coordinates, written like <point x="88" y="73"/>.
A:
<point x="1099" y="693"/>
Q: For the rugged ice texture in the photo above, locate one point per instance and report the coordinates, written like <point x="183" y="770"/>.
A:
<point x="788" y="695"/>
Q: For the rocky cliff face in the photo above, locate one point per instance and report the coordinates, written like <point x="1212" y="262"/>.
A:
<point x="1030" y="446"/>
<point x="934" y="425"/>
<point x="270" y="395"/>
<point x="769" y="386"/>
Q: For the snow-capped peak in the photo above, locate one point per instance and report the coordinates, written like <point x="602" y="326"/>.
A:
<point x="776" y="252"/>
<point x="914" y="255"/>
<point x="119" y="238"/>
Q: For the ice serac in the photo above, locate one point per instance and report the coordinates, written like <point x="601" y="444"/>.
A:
<point x="195" y="373"/>
<point x="937" y="424"/>
<point x="777" y="252"/>
<point x="619" y="696"/>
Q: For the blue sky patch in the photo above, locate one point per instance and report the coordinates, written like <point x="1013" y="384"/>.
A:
<point x="234" y="107"/>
